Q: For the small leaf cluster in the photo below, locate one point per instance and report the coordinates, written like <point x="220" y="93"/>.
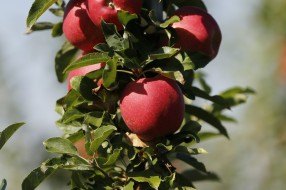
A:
<point x="90" y="110"/>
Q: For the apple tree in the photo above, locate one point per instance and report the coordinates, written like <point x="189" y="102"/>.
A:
<point x="131" y="113"/>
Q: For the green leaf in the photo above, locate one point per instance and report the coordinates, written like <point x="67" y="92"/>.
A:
<point x="57" y="29"/>
<point x="113" y="38"/>
<point x="37" y="9"/>
<point x="146" y="176"/>
<point x="185" y="61"/>
<point x="8" y="132"/>
<point x="84" y="86"/>
<point x="215" y="99"/>
<point x="109" y="73"/>
<point x="195" y="151"/>
<point x="187" y="158"/>
<point x="101" y="134"/>
<point x="40" y="26"/>
<point x="207" y="117"/>
<point x="170" y="21"/>
<point x="183" y="183"/>
<point x="89" y="59"/>
<point x="111" y="159"/>
<point x="186" y="134"/>
<point x="71" y="115"/>
<point x="68" y="163"/>
<point x="168" y="182"/>
<point x="163" y="53"/>
<point x="201" y="79"/>
<point x="234" y="96"/>
<point x="94" y="118"/>
<point x="60" y="145"/>
<point x="129" y="186"/>
<point x="36" y="177"/>
<point x="235" y="91"/>
<point x="57" y="12"/>
<point x="195" y="175"/>
<point x="124" y="17"/>
<point x="63" y="58"/>
<point x="208" y="135"/>
<point x="3" y="184"/>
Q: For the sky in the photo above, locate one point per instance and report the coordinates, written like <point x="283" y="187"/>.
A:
<point x="29" y="88"/>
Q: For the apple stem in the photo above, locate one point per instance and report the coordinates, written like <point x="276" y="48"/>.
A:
<point x="124" y="71"/>
<point x="110" y="4"/>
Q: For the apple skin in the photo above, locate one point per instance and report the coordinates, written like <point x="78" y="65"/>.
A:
<point x="100" y="9"/>
<point x="80" y="146"/>
<point x="152" y="107"/>
<point x="197" y="31"/>
<point x="84" y="70"/>
<point x="77" y="27"/>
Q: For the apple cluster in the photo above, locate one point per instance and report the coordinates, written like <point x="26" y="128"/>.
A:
<point x="160" y="98"/>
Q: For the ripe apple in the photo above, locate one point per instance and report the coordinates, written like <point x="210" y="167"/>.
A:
<point x="197" y="31"/>
<point x="80" y="146"/>
<point x="84" y="70"/>
<point x="152" y="107"/>
<point x="77" y="27"/>
<point x="107" y="10"/>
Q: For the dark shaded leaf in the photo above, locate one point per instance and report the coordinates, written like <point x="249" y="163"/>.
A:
<point x="186" y="134"/>
<point x="183" y="183"/>
<point x="113" y="38"/>
<point x="36" y="177"/>
<point x="3" y="184"/>
<point x="57" y="29"/>
<point x="215" y="99"/>
<point x="8" y="132"/>
<point x="63" y="58"/>
<point x="197" y="3"/>
<point x="195" y="175"/>
<point x="200" y="60"/>
<point x="207" y="117"/>
<point x="187" y="158"/>
<point x="201" y="79"/>
<point x="37" y="9"/>
<point x="168" y="182"/>
<point x="40" y="26"/>
<point x="57" y="12"/>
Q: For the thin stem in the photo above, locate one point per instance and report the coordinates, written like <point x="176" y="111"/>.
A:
<point x="95" y="165"/>
<point x="124" y="71"/>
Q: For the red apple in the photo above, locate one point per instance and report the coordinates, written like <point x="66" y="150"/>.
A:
<point x="84" y="70"/>
<point x="107" y="10"/>
<point x="80" y="146"/>
<point x="152" y="107"/>
<point x="197" y="31"/>
<point x="78" y="29"/>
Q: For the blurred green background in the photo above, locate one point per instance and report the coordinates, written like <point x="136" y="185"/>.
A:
<point x="253" y="53"/>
